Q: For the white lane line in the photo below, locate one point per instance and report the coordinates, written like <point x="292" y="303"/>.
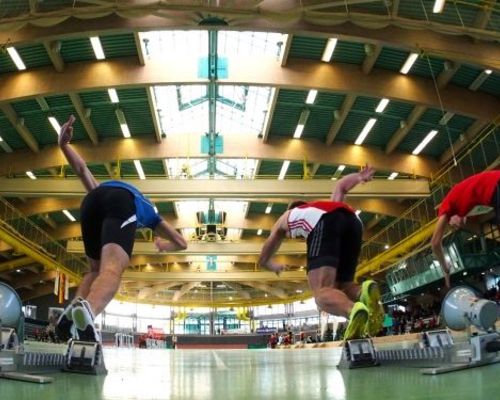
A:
<point x="218" y="361"/>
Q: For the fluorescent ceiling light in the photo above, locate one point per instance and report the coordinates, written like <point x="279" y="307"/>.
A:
<point x="69" y="215"/>
<point x="16" y="58"/>
<point x="340" y="168"/>
<point x="298" y="131"/>
<point x="446" y="117"/>
<point x="123" y="123"/>
<point x="284" y="168"/>
<point x="304" y="115"/>
<point x="259" y="232"/>
<point x="382" y="105"/>
<point x="480" y="79"/>
<point x="438" y="6"/>
<point x="358" y="212"/>
<point x="329" y="48"/>
<point x="366" y="130"/>
<point x="1" y="140"/>
<point x="31" y="175"/>
<point x="424" y="142"/>
<point x="55" y="124"/>
<point x="139" y="169"/>
<point x="311" y="96"/>
<point x="156" y="209"/>
<point x="269" y="208"/>
<point x="113" y="96"/>
<point x="97" y="47"/>
<point x="393" y="176"/>
<point x="409" y="63"/>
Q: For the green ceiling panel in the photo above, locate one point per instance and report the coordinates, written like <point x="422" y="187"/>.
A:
<point x="465" y="75"/>
<point x="372" y="7"/>
<point x="74" y="50"/>
<point x="318" y="124"/>
<point x="492" y="85"/>
<point x="10" y="135"/>
<point x="59" y="102"/>
<point x="127" y="170"/>
<point x="349" y="52"/>
<point x="60" y="218"/>
<point x="138" y="116"/>
<point x="291" y="97"/>
<point x="6" y="64"/>
<point x="12" y="8"/>
<point x="165" y="207"/>
<point x="365" y="105"/>
<point x="382" y="131"/>
<point x="351" y="128"/>
<point x="269" y="168"/>
<point x="295" y="170"/>
<point x="391" y="59"/>
<point x="285" y="119"/>
<point x="460" y="123"/>
<point x="260" y="208"/>
<point x="431" y="117"/>
<point x="329" y="99"/>
<point x="43" y="173"/>
<point x="91" y="99"/>
<point x="397" y="109"/>
<point x="119" y="45"/>
<point x="34" y="55"/>
<point x="325" y="171"/>
<point x="307" y="47"/>
<point x="24" y="108"/>
<point x="153" y="168"/>
<point x="99" y="171"/>
<point x="422" y="68"/>
<point x="455" y="13"/>
<point x="105" y="122"/>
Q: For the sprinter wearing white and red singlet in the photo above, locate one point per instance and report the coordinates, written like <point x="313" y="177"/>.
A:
<point x="333" y="232"/>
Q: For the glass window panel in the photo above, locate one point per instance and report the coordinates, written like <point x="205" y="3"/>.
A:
<point x="162" y="44"/>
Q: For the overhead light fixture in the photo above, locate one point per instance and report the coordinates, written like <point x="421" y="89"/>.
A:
<point x="16" y="58"/>
<point x="446" y="117"/>
<point x="393" y="176"/>
<point x="284" y="168"/>
<point x="304" y="115"/>
<point x="31" y="175"/>
<point x="358" y="212"/>
<point x="113" y="96"/>
<point x="156" y="209"/>
<point x="386" y="247"/>
<point x="139" y="169"/>
<point x="480" y="79"/>
<point x="55" y="124"/>
<point x="311" y="96"/>
<point x="409" y="63"/>
<point x="230" y="297"/>
<point x="382" y="105"/>
<point x="438" y="6"/>
<point x="123" y="123"/>
<point x="69" y="215"/>
<point x="340" y="168"/>
<point x="1" y="140"/>
<point x="97" y="47"/>
<point x="424" y="142"/>
<point x="366" y="130"/>
<point x="269" y="208"/>
<point x="329" y="49"/>
<point x="259" y="232"/>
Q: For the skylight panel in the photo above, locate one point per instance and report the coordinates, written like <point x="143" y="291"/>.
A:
<point x="239" y="168"/>
<point x="182" y="168"/>
<point x="162" y="44"/>
<point x="234" y="44"/>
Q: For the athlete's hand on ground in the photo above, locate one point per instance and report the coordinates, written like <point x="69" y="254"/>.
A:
<point x="366" y="174"/>
<point x="277" y="268"/>
<point x="66" y="133"/>
<point x="162" y="245"/>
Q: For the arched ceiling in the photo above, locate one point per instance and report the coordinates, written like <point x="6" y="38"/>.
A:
<point x="453" y="87"/>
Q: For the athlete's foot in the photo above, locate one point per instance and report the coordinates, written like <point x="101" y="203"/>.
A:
<point x="83" y="318"/>
<point x="65" y="322"/>
<point x="370" y="297"/>
<point x="357" y="322"/>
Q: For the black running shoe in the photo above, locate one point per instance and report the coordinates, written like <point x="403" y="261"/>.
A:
<point x="65" y="322"/>
<point x="83" y="318"/>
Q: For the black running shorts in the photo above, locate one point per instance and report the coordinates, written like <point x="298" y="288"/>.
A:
<point x="335" y="242"/>
<point x="108" y="216"/>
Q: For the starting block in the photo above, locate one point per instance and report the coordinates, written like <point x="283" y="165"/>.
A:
<point x="358" y="353"/>
<point x="85" y="357"/>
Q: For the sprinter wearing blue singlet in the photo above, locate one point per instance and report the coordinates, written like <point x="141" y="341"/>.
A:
<point x="110" y="214"/>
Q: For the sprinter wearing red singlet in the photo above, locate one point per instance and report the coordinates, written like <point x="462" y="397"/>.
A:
<point x="481" y="189"/>
<point x="333" y="232"/>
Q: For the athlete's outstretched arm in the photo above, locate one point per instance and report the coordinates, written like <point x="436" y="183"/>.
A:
<point x="272" y="244"/>
<point x="345" y="184"/>
<point x="175" y="240"/>
<point x="75" y="160"/>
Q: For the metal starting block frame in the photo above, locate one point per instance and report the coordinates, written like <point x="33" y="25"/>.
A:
<point x="85" y="358"/>
<point x="436" y="353"/>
